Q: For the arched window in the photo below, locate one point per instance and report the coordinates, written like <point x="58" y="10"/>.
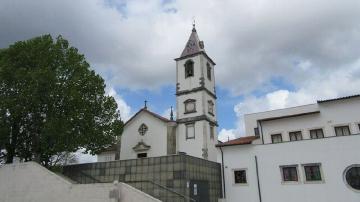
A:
<point x="208" y="68"/>
<point x="189" y="68"/>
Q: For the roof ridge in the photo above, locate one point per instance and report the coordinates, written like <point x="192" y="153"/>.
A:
<point x="151" y="113"/>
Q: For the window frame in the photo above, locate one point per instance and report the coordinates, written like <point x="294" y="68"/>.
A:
<point x="342" y="126"/>
<point x="189" y="65"/>
<point x="283" y="181"/>
<point x="208" y="71"/>
<point x="212" y="131"/>
<point x="246" y="177"/>
<point x="344" y="177"/>
<point x="316" y="130"/>
<point x="146" y="129"/>
<point x="306" y="181"/>
<point x="211" y="104"/>
<point x="276" y="134"/>
<point x="295" y="133"/>
<point x="189" y="101"/>
<point x="187" y="132"/>
<point x="138" y="154"/>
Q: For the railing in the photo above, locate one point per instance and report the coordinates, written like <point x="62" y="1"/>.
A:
<point x="89" y="176"/>
<point x="186" y="198"/>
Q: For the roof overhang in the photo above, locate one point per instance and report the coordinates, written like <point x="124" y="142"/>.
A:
<point x="289" y="116"/>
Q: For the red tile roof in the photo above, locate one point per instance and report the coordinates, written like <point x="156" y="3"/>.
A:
<point x="238" y="141"/>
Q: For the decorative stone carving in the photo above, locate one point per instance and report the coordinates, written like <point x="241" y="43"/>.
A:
<point x="141" y="146"/>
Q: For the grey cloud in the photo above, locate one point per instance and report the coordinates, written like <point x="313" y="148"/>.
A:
<point x="132" y="43"/>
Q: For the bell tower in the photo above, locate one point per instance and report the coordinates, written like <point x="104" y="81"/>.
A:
<point x="196" y="100"/>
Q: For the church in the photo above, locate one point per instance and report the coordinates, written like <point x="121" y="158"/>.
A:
<point x="148" y="134"/>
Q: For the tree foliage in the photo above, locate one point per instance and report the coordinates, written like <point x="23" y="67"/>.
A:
<point x="51" y="102"/>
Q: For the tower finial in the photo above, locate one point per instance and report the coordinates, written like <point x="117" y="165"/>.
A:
<point x="171" y="114"/>
<point x="193" y="29"/>
<point x="145" y="104"/>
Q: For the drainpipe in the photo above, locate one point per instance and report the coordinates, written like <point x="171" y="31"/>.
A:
<point x="257" y="177"/>
<point x="223" y="175"/>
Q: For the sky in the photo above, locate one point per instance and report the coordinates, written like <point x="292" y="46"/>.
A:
<point x="269" y="54"/>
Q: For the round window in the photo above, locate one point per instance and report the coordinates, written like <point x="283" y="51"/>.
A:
<point x="352" y="176"/>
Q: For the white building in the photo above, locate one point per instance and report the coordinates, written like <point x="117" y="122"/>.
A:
<point x="308" y="153"/>
<point x="147" y="134"/>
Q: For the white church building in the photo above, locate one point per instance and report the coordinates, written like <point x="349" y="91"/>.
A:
<point x="193" y="132"/>
<point x="307" y="153"/>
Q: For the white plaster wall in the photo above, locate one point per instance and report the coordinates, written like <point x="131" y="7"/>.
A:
<point x="335" y="154"/>
<point x="156" y="136"/>
<point x="106" y="156"/>
<point x="345" y="112"/>
<point x="32" y="183"/>
<point x="209" y="84"/>
<point x="198" y="96"/>
<point x="192" y="147"/>
<point x="335" y="113"/>
<point x="251" y="119"/>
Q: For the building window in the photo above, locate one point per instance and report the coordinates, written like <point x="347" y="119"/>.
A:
<point x="289" y="173"/>
<point x="352" y="177"/>
<point x="359" y="126"/>
<point x="312" y="172"/>
<point x="210" y="107"/>
<point x="316" y="133"/>
<point x="240" y="176"/>
<point x="212" y="132"/>
<point x="256" y="131"/>
<point x="208" y="68"/>
<point x="295" y="136"/>
<point x="276" y="138"/>
<point x="190" y="106"/>
<point x="342" y="130"/>
<point x="142" y="155"/>
<point x="190" y="131"/>
<point x="189" y="68"/>
<point x="143" y="129"/>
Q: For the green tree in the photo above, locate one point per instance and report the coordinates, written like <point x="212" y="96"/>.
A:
<point x="51" y="102"/>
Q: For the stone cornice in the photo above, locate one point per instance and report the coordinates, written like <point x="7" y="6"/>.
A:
<point x="184" y="92"/>
<point x="196" y="118"/>
<point x="198" y="53"/>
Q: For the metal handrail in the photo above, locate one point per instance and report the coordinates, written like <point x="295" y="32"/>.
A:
<point x="164" y="187"/>
<point x="89" y="176"/>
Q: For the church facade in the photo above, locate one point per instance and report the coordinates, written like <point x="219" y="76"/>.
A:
<point x="193" y="132"/>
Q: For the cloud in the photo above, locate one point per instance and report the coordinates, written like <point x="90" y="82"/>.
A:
<point x="132" y="43"/>
<point x="123" y="107"/>
<point x="226" y="135"/>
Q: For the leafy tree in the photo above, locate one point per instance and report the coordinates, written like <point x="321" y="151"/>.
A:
<point x="51" y="102"/>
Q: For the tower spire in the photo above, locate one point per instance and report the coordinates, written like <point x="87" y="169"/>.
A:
<point x="171" y="114"/>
